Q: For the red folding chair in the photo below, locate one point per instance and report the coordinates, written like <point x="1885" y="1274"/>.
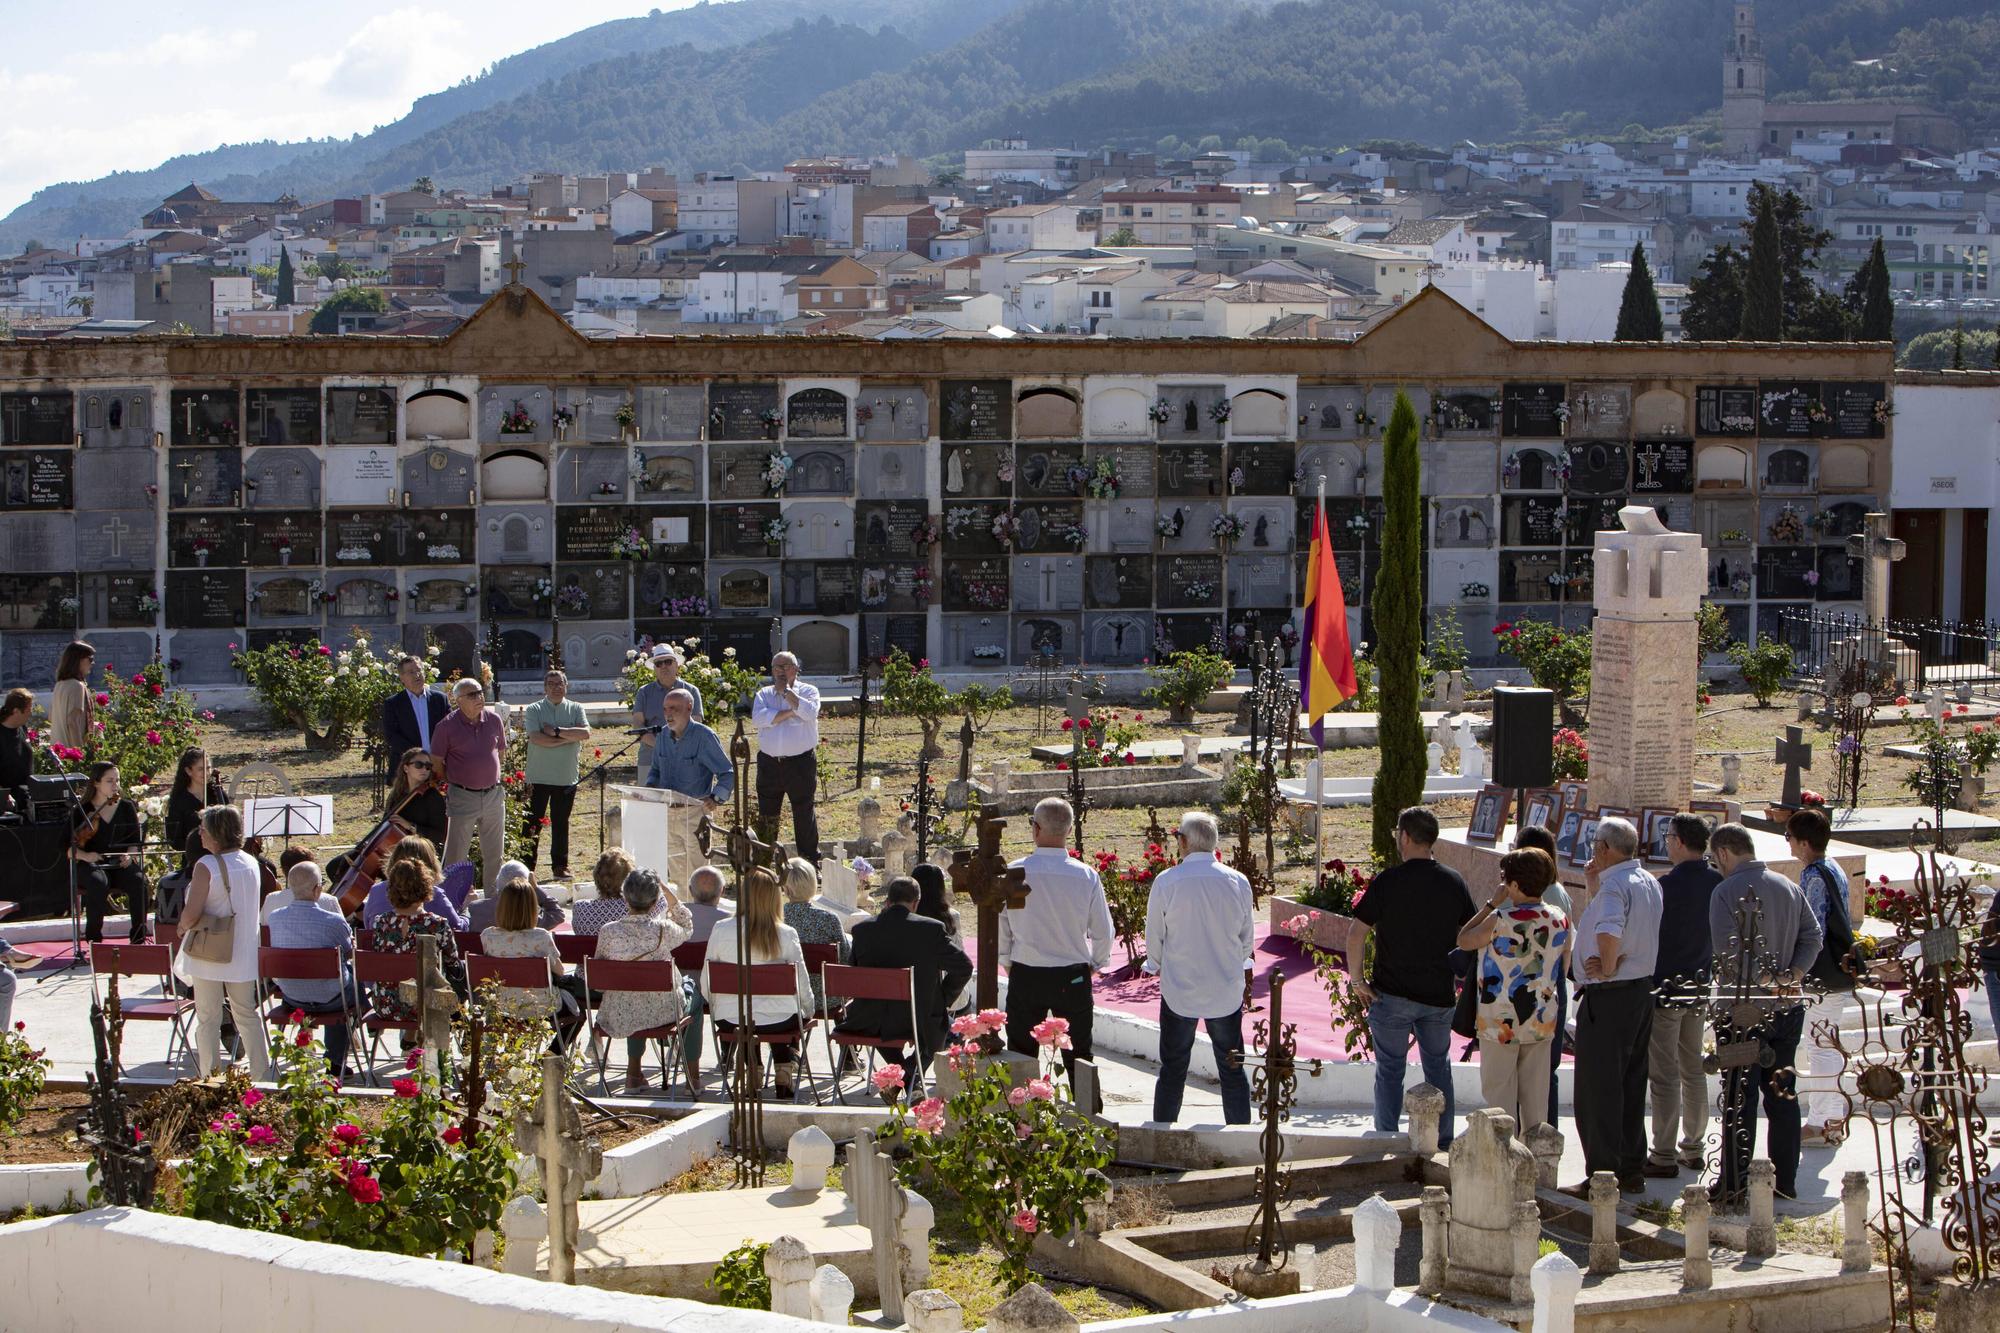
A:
<point x="468" y="943"/>
<point x="526" y="974"/>
<point x="386" y="969"/>
<point x="868" y="983"/>
<point x="154" y="961"/>
<point x="612" y="975"/>
<point x="575" y="948"/>
<point x="324" y="964"/>
<point x="817" y="957"/>
<point x="766" y="980"/>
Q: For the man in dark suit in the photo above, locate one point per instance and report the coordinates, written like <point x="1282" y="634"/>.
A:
<point x="938" y="969"/>
<point x="410" y="715"/>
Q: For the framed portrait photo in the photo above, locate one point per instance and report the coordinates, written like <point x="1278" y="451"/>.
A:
<point x="1585" y="845"/>
<point x="1544" y="807"/>
<point x="1653" y="833"/>
<point x="1489" y="813"/>
<point x="1566" y="834"/>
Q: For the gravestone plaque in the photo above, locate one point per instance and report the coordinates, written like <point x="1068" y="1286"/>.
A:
<point x="516" y="414"/>
<point x="1463" y="523"/>
<point x="1787" y="469"/>
<point x="1119" y="581"/>
<point x="38" y="541"/>
<point x="198" y="540"/>
<point x="672" y="412"/>
<point x="595" y="651"/>
<point x="34" y="656"/>
<point x="354" y="538"/>
<point x="38" y="601"/>
<point x="591" y="474"/>
<point x="1726" y="522"/>
<point x="680" y="532"/>
<point x="977" y="585"/>
<point x="1454" y="571"/>
<point x="1785" y="522"/>
<point x="742" y="411"/>
<point x="1189" y="580"/>
<point x="818" y="530"/>
<point x="457" y="646"/>
<point x="1534" y="410"/>
<point x="281" y="479"/>
<point x="744" y="589"/>
<point x="523" y="653"/>
<point x="1040" y="636"/>
<point x="1189" y="470"/>
<point x="737" y="471"/>
<point x="594" y="414"/>
<point x="516" y="536"/>
<point x="198" y="656"/>
<point x="1790" y="407"/>
<point x="1044" y="469"/>
<point x="594" y="591"/>
<point x="43" y="416"/>
<point x="205" y="598"/>
<point x="1341" y="465"/>
<point x="886" y="529"/>
<point x="744" y="529"/>
<point x="1184" y="633"/>
<point x="976" y="410"/>
<point x="1048" y="582"/>
<point x="585" y="533"/>
<point x="665" y="474"/>
<point x="1663" y="467"/>
<point x="282" y="416"/>
<point x="433" y="476"/>
<point x="360" y="416"/>
<point x="430" y="537"/>
<point x="204" y="478"/>
<point x="1786" y="571"/>
<point x="1590" y="516"/>
<point x="1859" y="409"/>
<point x="117" y="600"/>
<point x="1265" y="469"/>
<point x="440" y="594"/>
<point x="821" y="469"/>
<point x="1597" y="467"/>
<point x="1840" y="519"/>
<point x="1190" y="411"/>
<point x="1049" y="527"/>
<point x="892" y="412"/>
<point x="1531" y="467"/>
<point x="361" y="597"/>
<point x="1725" y="409"/>
<point x="898" y="471"/>
<point x="1190" y="525"/>
<point x="1328" y="411"/>
<point x="1675" y="511"/>
<point x="968" y="529"/>
<point x="203" y="417"/>
<point x="284" y="598"/>
<point x="976" y="471"/>
<point x="1341" y="514"/>
<point x="975" y="641"/>
<point x="881" y="634"/>
<point x="1267" y="524"/>
<point x="118" y="419"/>
<point x="285" y="539"/>
<point x="118" y="478"/>
<point x="1133" y="464"/>
<point x="817" y="414"/>
<point x="1531" y="520"/>
<point x="671" y="589"/>
<point x="822" y="587"/>
<point x="1120" y="525"/>
<point x="1600" y="410"/>
<point x="750" y="638"/>
<point x="1459" y="413"/>
<point x="514" y="592"/>
<point x="1525" y="575"/>
<point x="1118" y="638"/>
<point x="36" y="479"/>
<point x="896" y="587"/>
<point x="1839" y="575"/>
<point x="1260" y="580"/>
<point x="1382" y="402"/>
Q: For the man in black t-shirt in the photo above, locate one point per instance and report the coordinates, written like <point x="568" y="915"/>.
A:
<point x="1414" y="911"/>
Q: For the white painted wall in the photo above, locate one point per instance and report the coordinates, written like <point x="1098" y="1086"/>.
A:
<point x="1947" y="447"/>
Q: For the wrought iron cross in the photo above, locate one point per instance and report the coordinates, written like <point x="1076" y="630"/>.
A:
<point x="746" y="1103"/>
<point x="984" y="878"/>
<point x="1275" y="1083"/>
<point x="1079" y="792"/>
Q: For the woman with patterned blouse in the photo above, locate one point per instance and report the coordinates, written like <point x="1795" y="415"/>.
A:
<point x="654" y="925"/>
<point x="614" y="865"/>
<point x="1521" y="941"/>
<point x="815" y="925"/>
<point x="407" y="921"/>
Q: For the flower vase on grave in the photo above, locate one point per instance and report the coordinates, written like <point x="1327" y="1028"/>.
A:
<point x="284" y="555"/>
<point x="201" y="558"/>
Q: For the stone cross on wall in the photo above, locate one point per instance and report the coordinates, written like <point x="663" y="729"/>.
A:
<point x="514" y="267"/>
<point x="1795" y="753"/>
<point x="985" y="879"/>
<point x="1876" y="550"/>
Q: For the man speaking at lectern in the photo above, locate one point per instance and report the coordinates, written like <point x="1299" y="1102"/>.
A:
<point x="688" y="759"/>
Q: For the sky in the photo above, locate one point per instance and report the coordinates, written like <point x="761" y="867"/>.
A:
<point x="96" y="86"/>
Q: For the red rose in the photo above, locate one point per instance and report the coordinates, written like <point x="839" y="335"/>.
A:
<point x="452" y="1134"/>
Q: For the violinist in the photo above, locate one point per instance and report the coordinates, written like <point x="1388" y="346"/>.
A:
<point x="106" y="839"/>
<point x="196" y="786"/>
<point x="417" y="795"/>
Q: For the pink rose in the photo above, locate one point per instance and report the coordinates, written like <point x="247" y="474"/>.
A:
<point x="252" y="1097"/>
<point x="994" y="1019"/>
<point x="261" y="1136"/>
<point x="1016" y="1096"/>
<point x="232" y="647"/>
<point x="103" y="699"/>
<point x="1021" y="1130"/>
<point x="1026" y="1220"/>
<point x="968" y="1025"/>
<point x="1052" y="1032"/>
<point x="930" y="1115"/>
<point x="414" y="1058"/>
<point x="404" y="1087"/>
<point x="888" y="1079"/>
<point x="347" y="1133"/>
<point x="325" y="651"/>
<point x="152" y="738"/>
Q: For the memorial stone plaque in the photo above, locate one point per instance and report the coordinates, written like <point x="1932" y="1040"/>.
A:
<point x="833" y="586"/>
<point x="1043" y="469"/>
<point x="895" y="587"/>
<point x="594" y="591"/>
<point x="282" y="416"/>
<point x="595" y="651"/>
<point x="38" y="541"/>
<point x="742" y="411"/>
<point x="38" y="601"/>
<point x="458" y="650"/>
<point x="1531" y="520"/>
<point x="680" y="532"/>
<point x="1048" y="582"/>
<point x="1184" y="633"/>
<point x="1382" y="403"/>
<point x="1463" y="523"/>
<point x="1785" y="522"/>
<point x="978" y="471"/>
<point x="1190" y="412"/>
<point x="1675" y="511"/>
<point x="285" y="539"/>
<point x="1189" y="580"/>
<point x="1525" y="575"/>
<point x="1783" y="571"/>
<point x="1859" y="410"/>
<point x="818" y="530"/>
<point x="743" y="529"/>
<point x="1267" y="524"/>
<point x="1597" y="467"/>
<point x="199" y="656"/>
<point x="361" y="597"/>
<point x="817" y="414"/>
<point x="1600" y="410"/>
<point x="664" y="474"/>
<point x="43" y="416"/>
<point x="516" y="414"/>
<point x="976" y="410"/>
<point x="1787" y="469"/>
<point x="968" y="529"/>
<point x="1530" y="467"/>
<point x="433" y="476"/>
<point x="205" y="598"/>
<point x="1260" y="580"/>
<point x="360" y="416"/>
<point x="26" y="656"/>
<point x="510" y="536"/>
<point x="893" y="471"/>
<point x="440" y="594"/>
<point x="204" y="417"/>
<point x="750" y="638"/>
<point x="514" y="592"/>
<point x="523" y="654"/>
<point x="821" y="469"/>
<point x="585" y="533"/>
<point x="672" y="589"/>
<point x="1725" y="409"/>
<point x="116" y="600"/>
<point x="1121" y="525"/>
<point x="1119" y="638"/>
<point x="118" y="419"/>
<point x="1790" y="407"/>
<point x="1588" y="517"/>
<point x="1134" y="465"/>
<point x="975" y="641"/>
<point x="594" y="414"/>
<point x="430" y="537"/>
<point x="117" y="478"/>
<point x="1046" y="636"/>
<point x="1534" y="410"/>
<point x="284" y="598"/>
<point x="1191" y="525"/>
<point x="1119" y="581"/>
<point x="885" y="529"/>
<point x="1663" y="467"/>
<point x="881" y="634"/>
<point x="1466" y="412"/>
<point x="204" y="478"/>
<point x="1189" y="470"/>
<point x="892" y="412"/>
<point x="1049" y="527"/>
<point x="355" y="539"/>
<point x="198" y="540"/>
<point x="736" y="471"/>
<point x="1266" y="469"/>
<point x="283" y="479"/>
<point x="672" y="412"/>
<point x="976" y="585"/>
<point x="36" y="479"/>
<point x="1839" y="575"/>
<point x="744" y="589"/>
<point x="1327" y="411"/>
<point x="591" y="474"/>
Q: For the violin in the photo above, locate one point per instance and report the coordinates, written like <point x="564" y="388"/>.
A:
<point x="94" y="823"/>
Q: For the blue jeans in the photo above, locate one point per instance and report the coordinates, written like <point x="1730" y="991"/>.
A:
<point x="1225" y="1034"/>
<point x="1392" y="1020"/>
<point x="1993" y="994"/>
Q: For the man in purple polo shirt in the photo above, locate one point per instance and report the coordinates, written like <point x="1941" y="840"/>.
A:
<point x="469" y="746"/>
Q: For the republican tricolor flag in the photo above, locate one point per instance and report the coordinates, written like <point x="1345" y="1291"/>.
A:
<point x="1326" y="657"/>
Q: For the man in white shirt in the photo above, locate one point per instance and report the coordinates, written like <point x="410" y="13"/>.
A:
<point x="1200" y="936"/>
<point x="786" y="713"/>
<point x="1054" y="946"/>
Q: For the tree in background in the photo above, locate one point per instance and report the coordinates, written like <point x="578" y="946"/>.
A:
<point x="1639" y="318"/>
<point x="1714" y="309"/>
<point x="1123" y="236"/>
<point x="1764" y="279"/>
<point x="425" y="185"/>
<point x="1958" y="345"/>
<point x="1807" y="312"/>
<point x="1399" y="630"/>
<point x="285" y="287"/>
<point x="326" y="319"/>
<point x="1935" y="350"/>
<point x="1878" y="306"/>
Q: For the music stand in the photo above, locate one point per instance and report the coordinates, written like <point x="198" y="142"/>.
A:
<point x="288" y="817"/>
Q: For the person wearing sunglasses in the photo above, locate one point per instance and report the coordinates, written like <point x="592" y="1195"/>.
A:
<point x="470" y="746"/>
<point x="417" y="797"/>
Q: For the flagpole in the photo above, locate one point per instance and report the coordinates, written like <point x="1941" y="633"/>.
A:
<point x="1319" y="733"/>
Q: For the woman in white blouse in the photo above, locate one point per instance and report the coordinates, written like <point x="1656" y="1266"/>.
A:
<point x="654" y="925"/>
<point x="760" y="920"/>
<point x="225" y="883"/>
<point x="514" y="934"/>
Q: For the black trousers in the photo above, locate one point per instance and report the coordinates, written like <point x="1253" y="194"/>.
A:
<point x="554" y="801"/>
<point x="98" y="884"/>
<point x="1743" y="1088"/>
<point x="1033" y="993"/>
<point x="1614" y="1026"/>
<point x="796" y="776"/>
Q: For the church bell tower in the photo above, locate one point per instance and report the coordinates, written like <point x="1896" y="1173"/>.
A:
<point x="1743" y="86"/>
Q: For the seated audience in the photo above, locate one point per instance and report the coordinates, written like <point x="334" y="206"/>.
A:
<point x="939" y="969"/>
<point x="482" y="914"/>
<point x="654" y="925"/>
<point x="411" y="883"/>
<point x="767" y="939"/>
<point x="614" y="865"/>
<point x="514" y="934"/>
<point x="934" y="901"/>
<point x="307" y="919"/>
<point x="815" y="925"/>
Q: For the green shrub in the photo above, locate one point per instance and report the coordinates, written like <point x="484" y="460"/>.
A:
<point x="739" y="1280"/>
<point x="1183" y="681"/>
<point x="1765" y="665"/>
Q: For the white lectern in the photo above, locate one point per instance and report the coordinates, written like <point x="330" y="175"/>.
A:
<point x="660" y="830"/>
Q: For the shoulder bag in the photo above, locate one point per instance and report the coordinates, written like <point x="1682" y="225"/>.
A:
<point x="213" y="938"/>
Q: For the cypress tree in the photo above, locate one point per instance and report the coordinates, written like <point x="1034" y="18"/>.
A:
<point x="1639" y="318"/>
<point x="1958" y="345"/>
<point x="1878" y="307"/>
<point x="285" y="291"/>
<point x="1764" y="284"/>
<point x="1399" y="627"/>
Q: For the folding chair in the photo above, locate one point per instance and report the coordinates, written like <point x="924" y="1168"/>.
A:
<point x="817" y="957"/>
<point x="766" y="980"/>
<point x="575" y="948"/>
<point x="155" y="961"/>
<point x="868" y="983"/>
<point x="386" y="969"/>
<point x="300" y="965"/>
<point x="689" y="958"/>
<point x="468" y="943"/>
<point x="516" y="974"/>
<point x="611" y="975"/>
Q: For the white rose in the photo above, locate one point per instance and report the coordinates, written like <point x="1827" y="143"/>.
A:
<point x="342" y="671"/>
<point x="631" y="654"/>
<point x="729" y="652"/>
<point x="433" y="650"/>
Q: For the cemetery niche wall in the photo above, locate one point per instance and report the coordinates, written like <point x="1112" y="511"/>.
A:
<point x="979" y="510"/>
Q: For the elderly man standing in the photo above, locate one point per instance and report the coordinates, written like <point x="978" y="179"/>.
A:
<point x="649" y="705"/>
<point x="1200" y="936"/>
<point x="1052" y="947"/>
<point x="469" y="746"/>
<point x="1766" y="939"/>
<point x="688" y="758"/>
<point x="786" y="713"/>
<point x="1617" y="944"/>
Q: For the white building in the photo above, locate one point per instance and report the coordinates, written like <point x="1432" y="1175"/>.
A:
<point x="1013" y="160"/>
<point x="1034" y="227"/>
<point x="1941" y="495"/>
<point x="708" y="213"/>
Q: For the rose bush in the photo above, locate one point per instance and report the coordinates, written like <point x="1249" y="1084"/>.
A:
<point x="23" y="1070"/>
<point x="327" y="694"/>
<point x="140" y="724"/>
<point x="1557" y="660"/>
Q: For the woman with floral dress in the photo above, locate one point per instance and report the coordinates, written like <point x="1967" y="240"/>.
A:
<point x="654" y="925"/>
<point x="1521" y="941"/>
<point x="407" y="921"/>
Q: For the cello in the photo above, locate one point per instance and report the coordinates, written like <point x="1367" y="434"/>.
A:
<point x="371" y="854"/>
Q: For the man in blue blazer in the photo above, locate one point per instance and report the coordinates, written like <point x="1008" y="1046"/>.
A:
<point x="410" y="715"/>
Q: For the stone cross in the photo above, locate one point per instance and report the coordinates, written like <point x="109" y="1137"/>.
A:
<point x="879" y="1202"/>
<point x="1795" y="753"/>
<point x="965" y="736"/>
<point x="1876" y="550"/>
<point x="514" y="267"/>
<point x="567" y="1159"/>
<point x="984" y="878"/>
<point x="1936" y="706"/>
<point x="1471" y="759"/>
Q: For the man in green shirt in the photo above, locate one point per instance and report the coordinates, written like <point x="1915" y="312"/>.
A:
<point x="556" y="729"/>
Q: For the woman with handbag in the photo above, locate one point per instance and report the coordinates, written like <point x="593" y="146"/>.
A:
<point x="219" y="936"/>
<point x="1520" y="940"/>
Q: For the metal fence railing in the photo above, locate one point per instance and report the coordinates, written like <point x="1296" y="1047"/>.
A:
<point x="1831" y="649"/>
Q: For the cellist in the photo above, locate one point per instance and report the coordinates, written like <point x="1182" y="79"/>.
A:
<point x="415" y="806"/>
